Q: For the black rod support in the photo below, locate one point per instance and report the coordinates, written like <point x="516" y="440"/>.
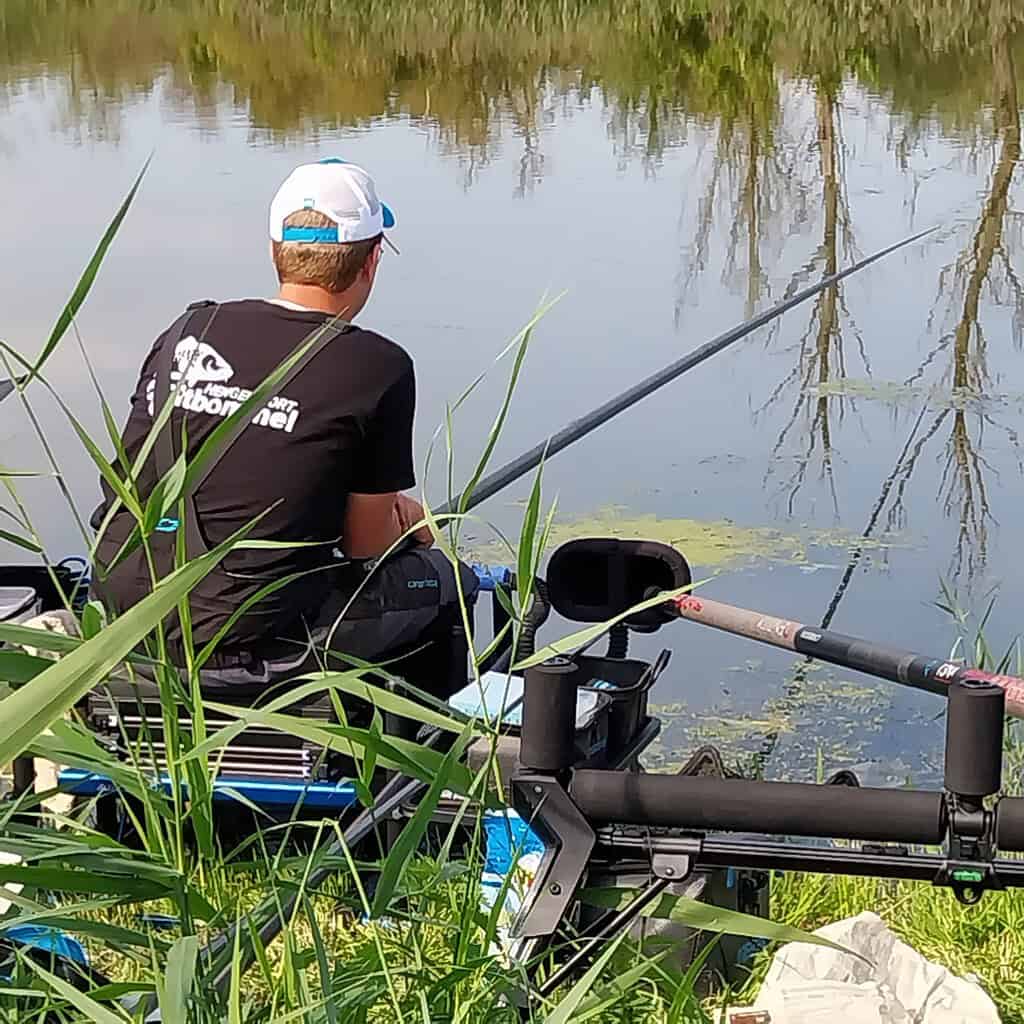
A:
<point x="549" y="716"/>
<point x="771" y="808"/>
<point x="24" y="775"/>
<point x="974" y="738"/>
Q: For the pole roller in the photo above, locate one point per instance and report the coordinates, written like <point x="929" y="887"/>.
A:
<point x="549" y="716"/>
<point x="974" y="738"/>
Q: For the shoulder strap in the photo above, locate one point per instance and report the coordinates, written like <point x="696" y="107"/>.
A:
<point x="331" y="331"/>
<point x="164" y="449"/>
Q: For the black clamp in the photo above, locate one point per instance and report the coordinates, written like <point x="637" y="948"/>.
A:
<point x="968" y="870"/>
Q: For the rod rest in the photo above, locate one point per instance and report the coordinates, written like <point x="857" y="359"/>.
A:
<point x="775" y="808"/>
<point x="778" y="808"/>
<point x="1010" y="825"/>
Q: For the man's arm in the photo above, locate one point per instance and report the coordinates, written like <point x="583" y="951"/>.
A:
<point x="376" y="512"/>
<point x="373" y="522"/>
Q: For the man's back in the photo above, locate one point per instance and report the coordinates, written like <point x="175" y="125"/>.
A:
<point x="342" y="425"/>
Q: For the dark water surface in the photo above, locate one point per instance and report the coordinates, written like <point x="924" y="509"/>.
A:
<point x="672" y="167"/>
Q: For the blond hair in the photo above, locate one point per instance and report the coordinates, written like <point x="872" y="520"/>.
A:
<point x="328" y="265"/>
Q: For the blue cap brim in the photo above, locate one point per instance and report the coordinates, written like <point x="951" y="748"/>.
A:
<point x="389" y="217"/>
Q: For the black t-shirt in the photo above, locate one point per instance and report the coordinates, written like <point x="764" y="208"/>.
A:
<point x="342" y="425"/>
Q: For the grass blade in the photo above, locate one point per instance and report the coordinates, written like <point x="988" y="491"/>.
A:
<point x="409" y="839"/>
<point x="706" y="917"/>
<point x="88" y="276"/>
<point x="565" y="1011"/>
<point x="79" y="1000"/>
<point x="21" y="542"/>
<point x="33" y="707"/>
<point x="179" y="978"/>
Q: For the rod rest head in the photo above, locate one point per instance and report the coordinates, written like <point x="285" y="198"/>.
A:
<point x="594" y="579"/>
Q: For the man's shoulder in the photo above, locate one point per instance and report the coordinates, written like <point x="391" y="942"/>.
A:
<point x="251" y="317"/>
<point x="379" y="344"/>
<point x="281" y="313"/>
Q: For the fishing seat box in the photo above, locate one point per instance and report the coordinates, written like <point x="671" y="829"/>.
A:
<point x="131" y="711"/>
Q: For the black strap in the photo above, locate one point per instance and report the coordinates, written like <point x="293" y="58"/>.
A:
<point x="164" y="448"/>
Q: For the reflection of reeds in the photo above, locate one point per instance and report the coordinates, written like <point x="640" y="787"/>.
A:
<point x="820" y="351"/>
<point x="465" y="68"/>
<point x="983" y="264"/>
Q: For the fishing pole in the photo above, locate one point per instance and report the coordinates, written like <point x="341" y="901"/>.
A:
<point x="933" y="675"/>
<point x="518" y="467"/>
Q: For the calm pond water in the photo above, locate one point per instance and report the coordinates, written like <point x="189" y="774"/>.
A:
<point x="671" y="167"/>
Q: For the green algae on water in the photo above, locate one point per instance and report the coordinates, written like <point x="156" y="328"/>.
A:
<point x="707" y="544"/>
<point x="817" y="714"/>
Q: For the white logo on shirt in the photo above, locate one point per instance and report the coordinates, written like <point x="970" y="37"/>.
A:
<point x="201" y="375"/>
<point x="199" y="362"/>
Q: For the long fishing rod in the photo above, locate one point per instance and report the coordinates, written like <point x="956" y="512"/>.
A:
<point x="512" y="471"/>
<point x="933" y="675"/>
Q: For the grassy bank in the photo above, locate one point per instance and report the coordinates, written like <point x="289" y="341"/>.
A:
<point x="421" y="946"/>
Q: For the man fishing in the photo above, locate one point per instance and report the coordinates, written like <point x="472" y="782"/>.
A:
<point x="322" y="466"/>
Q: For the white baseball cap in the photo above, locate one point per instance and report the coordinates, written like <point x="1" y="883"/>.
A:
<point x="339" y="190"/>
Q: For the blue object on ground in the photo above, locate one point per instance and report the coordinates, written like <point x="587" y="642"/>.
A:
<point x="48" y="939"/>
<point x="508" y="837"/>
<point x="514" y="852"/>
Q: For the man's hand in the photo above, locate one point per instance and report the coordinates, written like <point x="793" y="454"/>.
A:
<point x="410" y="512"/>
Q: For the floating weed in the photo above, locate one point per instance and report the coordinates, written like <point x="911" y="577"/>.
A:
<point x="898" y="393"/>
<point x="708" y="544"/>
<point x="816" y="712"/>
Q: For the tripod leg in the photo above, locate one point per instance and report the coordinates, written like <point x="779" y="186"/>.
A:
<point x="610" y="926"/>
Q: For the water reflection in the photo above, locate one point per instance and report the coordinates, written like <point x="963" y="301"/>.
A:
<point x="763" y="82"/>
<point x="821" y="355"/>
<point x="462" y="66"/>
<point x="986" y="262"/>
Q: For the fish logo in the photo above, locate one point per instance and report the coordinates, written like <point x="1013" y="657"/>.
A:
<point x="199" y="362"/>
